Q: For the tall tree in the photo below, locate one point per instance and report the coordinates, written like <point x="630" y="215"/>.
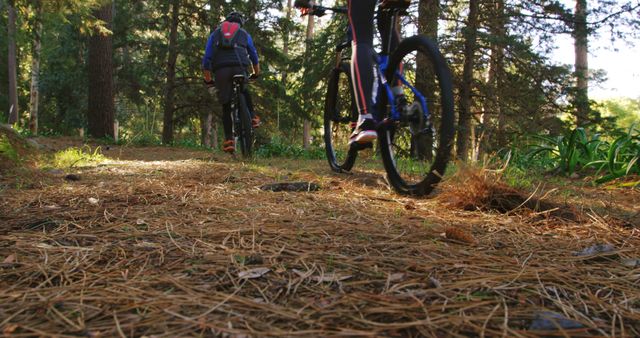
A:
<point x="581" y="38"/>
<point x="428" y="14"/>
<point x="306" y="127"/>
<point x="14" y="109"/>
<point x="466" y="87"/>
<point x="169" y="99"/>
<point x="35" y="67"/>
<point x="101" y="105"/>
<point x="286" y="38"/>
<point x="492" y="118"/>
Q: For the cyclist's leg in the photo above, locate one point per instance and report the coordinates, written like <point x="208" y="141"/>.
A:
<point x="362" y="66"/>
<point x="383" y="20"/>
<point x="383" y="23"/>
<point x="224" y="84"/>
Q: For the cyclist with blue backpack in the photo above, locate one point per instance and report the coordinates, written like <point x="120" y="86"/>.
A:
<point x="229" y="52"/>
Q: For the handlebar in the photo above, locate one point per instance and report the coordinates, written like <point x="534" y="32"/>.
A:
<point x="308" y="7"/>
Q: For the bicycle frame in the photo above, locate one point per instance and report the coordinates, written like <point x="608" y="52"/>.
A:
<point x="382" y="64"/>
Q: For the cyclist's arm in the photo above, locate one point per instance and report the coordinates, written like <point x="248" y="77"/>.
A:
<point x="209" y="53"/>
<point x="253" y="55"/>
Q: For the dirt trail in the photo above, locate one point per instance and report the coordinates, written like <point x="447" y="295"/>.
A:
<point x="168" y="242"/>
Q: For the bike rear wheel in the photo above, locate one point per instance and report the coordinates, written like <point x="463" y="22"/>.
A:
<point x="415" y="150"/>
<point x="245" y="130"/>
<point x="340" y="117"/>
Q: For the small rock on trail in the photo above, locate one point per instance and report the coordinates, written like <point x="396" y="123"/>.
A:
<point x="291" y="187"/>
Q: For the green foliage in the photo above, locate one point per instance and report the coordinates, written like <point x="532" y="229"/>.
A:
<point x="279" y="147"/>
<point x="7" y="150"/>
<point x="75" y="157"/>
<point x="578" y="151"/>
<point x="625" y="111"/>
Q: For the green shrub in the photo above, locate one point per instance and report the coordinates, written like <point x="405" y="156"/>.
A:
<point x="279" y="147"/>
<point x="608" y="157"/>
<point x="75" y="157"/>
<point x="7" y="150"/>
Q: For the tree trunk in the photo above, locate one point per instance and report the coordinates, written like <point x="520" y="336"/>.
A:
<point x="306" y="130"/>
<point x="14" y="107"/>
<point x="167" y="130"/>
<point x="498" y="70"/>
<point x="492" y="117"/>
<point x="428" y="14"/>
<point x="209" y="134"/>
<point x="286" y="40"/>
<point x="581" y="37"/>
<point x="101" y="113"/>
<point x="464" y="121"/>
<point x="35" y="67"/>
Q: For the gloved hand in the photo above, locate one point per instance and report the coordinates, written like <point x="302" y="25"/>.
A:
<point x="211" y="87"/>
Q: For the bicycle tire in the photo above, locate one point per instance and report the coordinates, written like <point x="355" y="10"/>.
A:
<point x="245" y="135"/>
<point x="337" y="120"/>
<point x="445" y="133"/>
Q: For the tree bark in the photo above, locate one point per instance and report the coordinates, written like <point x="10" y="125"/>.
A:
<point x="464" y="121"/>
<point x="428" y="14"/>
<point x="581" y="37"/>
<point x="35" y="67"/>
<point x="306" y="130"/>
<point x="286" y="40"/>
<point x="14" y="106"/>
<point x="169" y="99"/>
<point x="492" y="116"/>
<point x="101" y="113"/>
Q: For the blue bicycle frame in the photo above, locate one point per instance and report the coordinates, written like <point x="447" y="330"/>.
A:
<point x="383" y="64"/>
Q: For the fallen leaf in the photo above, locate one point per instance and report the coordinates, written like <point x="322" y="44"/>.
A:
<point x="326" y="278"/>
<point x="396" y="277"/>
<point x="9" y="329"/>
<point x="551" y="321"/>
<point x="140" y="221"/>
<point x="598" y="249"/>
<point x="434" y="283"/>
<point x="148" y="245"/>
<point x="410" y="206"/>
<point x="93" y="201"/>
<point x="10" y="259"/>
<point x="253" y="273"/>
<point x="330" y="278"/>
<point x="459" y="235"/>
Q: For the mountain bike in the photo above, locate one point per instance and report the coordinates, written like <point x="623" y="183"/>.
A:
<point x="243" y="132"/>
<point x="416" y="129"/>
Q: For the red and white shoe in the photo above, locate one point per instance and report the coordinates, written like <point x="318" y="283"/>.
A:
<point x="364" y="133"/>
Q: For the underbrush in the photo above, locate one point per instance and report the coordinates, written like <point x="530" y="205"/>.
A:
<point x="76" y="157"/>
<point x="7" y="150"/>
<point x="279" y="147"/>
<point x="578" y="153"/>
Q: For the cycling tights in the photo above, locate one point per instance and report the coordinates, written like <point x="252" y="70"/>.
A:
<point x="361" y="15"/>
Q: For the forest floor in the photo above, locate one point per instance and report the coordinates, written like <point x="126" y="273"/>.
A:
<point x="166" y="242"/>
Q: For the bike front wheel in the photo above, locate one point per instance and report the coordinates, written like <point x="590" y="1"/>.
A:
<point x="245" y="130"/>
<point x="340" y="118"/>
<point x="416" y="145"/>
